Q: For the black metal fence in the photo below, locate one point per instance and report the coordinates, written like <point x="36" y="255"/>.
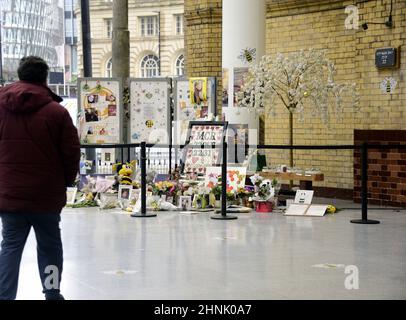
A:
<point x="223" y="147"/>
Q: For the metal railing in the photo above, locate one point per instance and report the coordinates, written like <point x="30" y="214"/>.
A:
<point x="364" y="147"/>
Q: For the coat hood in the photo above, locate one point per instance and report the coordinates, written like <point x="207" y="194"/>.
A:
<point x="26" y="97"/>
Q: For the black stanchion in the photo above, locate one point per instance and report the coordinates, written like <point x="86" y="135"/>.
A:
<point x="143" y="213"/>
<point x="223" y="215"/>
<point x="170" y="159"/>
<point x="364" y="187"/>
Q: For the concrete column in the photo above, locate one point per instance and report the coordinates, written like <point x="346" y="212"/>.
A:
<point x="243" y="27"/>
<point x="121" y="52"/>
<point x="121" y="39"/>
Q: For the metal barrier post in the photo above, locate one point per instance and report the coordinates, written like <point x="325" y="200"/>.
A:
<point x="364" y="187"/>
<point x="143" y="213"/>
<point x="223" y="215"/>
<point x="170" y="159"/>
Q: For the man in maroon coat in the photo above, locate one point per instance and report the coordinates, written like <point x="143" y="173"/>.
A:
<point x="39" y="158"/>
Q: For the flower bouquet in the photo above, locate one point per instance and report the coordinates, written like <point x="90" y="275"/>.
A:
<point x="91" y="191"/>
<point x="201" y="199"/>
<point x="244" y="195"/>
<point x="264" y="193"/>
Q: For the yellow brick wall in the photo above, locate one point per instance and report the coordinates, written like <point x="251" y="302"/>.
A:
<point x="297" y="24"/>
<point x="320" y="24"/>
<point x="203" y="38"/>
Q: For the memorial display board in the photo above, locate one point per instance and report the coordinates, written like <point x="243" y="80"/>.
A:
<point x="100" y="106"/>
<point x="204" y="134"/>
<point x="150" y="110"/>
<point x="185" y="110"/>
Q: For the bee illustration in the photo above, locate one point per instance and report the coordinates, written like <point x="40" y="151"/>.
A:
<point x="149" y="123"/>
<point x="248" y="55"/>
<point x="388" y="85"/>
<point x="388" y="88"/>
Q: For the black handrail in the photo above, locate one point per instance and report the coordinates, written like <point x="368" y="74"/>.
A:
<point x="364" y="147"/>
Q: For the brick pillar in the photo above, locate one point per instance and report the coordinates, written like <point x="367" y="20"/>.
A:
<point x="203" y="38"/>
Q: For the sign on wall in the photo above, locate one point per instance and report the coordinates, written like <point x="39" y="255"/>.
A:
<point x="386" y="58"/>
<point x="100" y="105"/>
<point x="150" y="110"/>
<point x="186" y="111"/>
<point x="388" y="85"/>
<point x="207" y="134"/>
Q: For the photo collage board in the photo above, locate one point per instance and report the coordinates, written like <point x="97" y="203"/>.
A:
<point x="203" y="133"/>
<point x="195" y="100"/>
<point x="100" y="105"/>
<point x="150" y="110"/>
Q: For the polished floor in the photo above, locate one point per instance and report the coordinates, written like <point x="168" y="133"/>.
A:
<point x="109" y="255"/>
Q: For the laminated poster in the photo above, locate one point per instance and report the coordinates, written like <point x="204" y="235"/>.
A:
<point x="187" y="110"/>
<point x="99" y="122"/>
<point x="150" y="117"/>
<point x="198" y="90"/>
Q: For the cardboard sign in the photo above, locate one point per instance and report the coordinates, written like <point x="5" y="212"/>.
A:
<point x="314" y="210"/>
<point x="304" y="196"/>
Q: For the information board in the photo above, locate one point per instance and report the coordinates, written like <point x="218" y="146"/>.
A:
<point x="150" y="110"/>
<point x="100" y="106"/>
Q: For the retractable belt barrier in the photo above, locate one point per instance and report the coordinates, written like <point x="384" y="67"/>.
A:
<point x="224" y="216"/>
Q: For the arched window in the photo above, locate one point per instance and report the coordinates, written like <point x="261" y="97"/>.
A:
<point x="180" y="65"/>
<point x="149" y="66"/>
<point x="109" y="68"/>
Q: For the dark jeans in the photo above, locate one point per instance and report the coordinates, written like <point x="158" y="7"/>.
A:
<point x="16" y="227"/>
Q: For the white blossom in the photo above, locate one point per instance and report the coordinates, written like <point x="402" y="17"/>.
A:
<point x="301" y="80"/>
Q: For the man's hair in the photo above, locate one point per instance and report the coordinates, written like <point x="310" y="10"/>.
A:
<point x="33" y="69"/>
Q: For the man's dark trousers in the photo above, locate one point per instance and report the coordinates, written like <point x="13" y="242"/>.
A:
<point x="16" y="227"/>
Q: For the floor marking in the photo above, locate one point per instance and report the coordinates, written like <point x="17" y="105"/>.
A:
<point x="329" y="266"/>
<point x="119" y="272"/>
<point x="225" y="238"/>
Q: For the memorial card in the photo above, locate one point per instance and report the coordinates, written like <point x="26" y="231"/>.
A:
<point x="99" y="105"/>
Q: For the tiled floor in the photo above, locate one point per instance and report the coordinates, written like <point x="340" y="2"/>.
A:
<point x="109" y="255"/>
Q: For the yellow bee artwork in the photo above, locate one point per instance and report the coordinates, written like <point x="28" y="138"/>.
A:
<point x="388" y="87"/>
<point x="149" y="123"/>
<point x="248" y="55"/>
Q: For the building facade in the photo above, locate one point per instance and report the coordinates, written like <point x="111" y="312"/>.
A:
<point x="156" y="38"/>
<point x="31" y="27"/>
<point x="71" y="41"/>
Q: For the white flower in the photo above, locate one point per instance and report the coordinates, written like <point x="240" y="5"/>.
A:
<point x="301" y="80"/>
<point x="256" y="179"/>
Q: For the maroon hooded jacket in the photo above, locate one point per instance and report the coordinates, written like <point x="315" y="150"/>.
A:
<point x="39" y="149"/>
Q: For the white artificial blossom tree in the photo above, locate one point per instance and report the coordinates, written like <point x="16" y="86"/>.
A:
<point x="303" y="81"/>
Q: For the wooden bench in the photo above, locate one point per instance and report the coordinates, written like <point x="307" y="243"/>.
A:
<point x="306" y="180"/>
